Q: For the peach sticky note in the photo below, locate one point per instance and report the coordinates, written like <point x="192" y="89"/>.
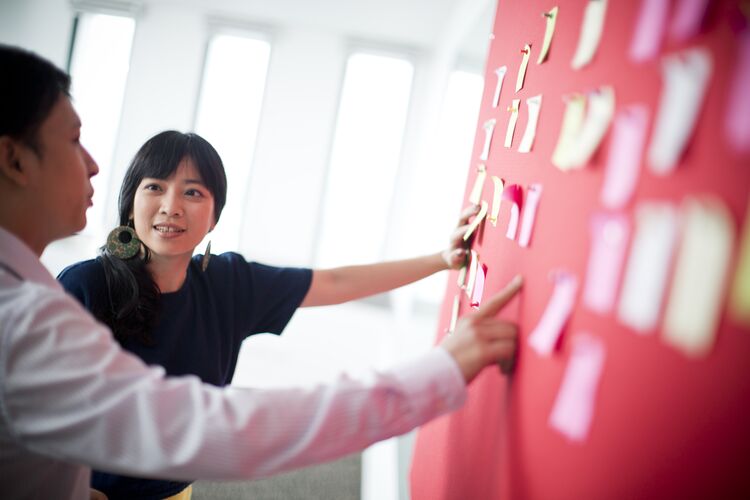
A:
<point x="624" y="160"/>
<point x="700" y="277"/>
<point x="525" y="54"/>
<point x="476" y="190"/>
<point x="549" y="31"/>
<point x="512" y="119"/>
<point x="559" y="308"/>
<point x="648" y="266"/>
<point x="476" y="221"/>
<point x="591" y="33"/>
<point x="609" y="243"/>
<point x="533" y="195"/>
<point x="573" y="410"/>
<point x="497" y="197"/>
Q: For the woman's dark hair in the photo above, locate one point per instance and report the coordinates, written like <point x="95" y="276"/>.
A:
<point x="134" y="296"/>
<point x="30" y="86"/>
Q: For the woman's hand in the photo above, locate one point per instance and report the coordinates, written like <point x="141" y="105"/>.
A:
<point x="455" y="255"/>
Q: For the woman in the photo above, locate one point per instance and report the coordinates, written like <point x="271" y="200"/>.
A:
<point x="191" y="314"/>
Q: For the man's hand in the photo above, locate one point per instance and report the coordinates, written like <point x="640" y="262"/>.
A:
<point x="480" y="339"/>
<point x="455" y="255"/>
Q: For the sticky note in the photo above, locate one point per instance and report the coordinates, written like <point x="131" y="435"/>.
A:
<point x="573" y="410"/>
<point x="512" y="119"/>
<point x="473" y="263"/>
<point x="525" y="54"/>
<point x="513" y="194"/>
<point x="575" y="112"/>
<point x="737" y="124"/>
<point x="559" y="308"/>
<point x="481" y="276"/>
<point x="549" y="31"/>
<point x="623" y="166"/>
<point x="534" y="105"/>
<point x="476" y="190"/>
<point x="454" y="313"/>
<point x="700" y="277"/>
<point x="648" y="266"/>
<point x="476" y="221"/>
<point x="609" y="244"/>
<point x="461" y="280"/>
<point x="591" y="33"/>
<point x="533" y="195"/>
<point x="489" y="128"/>
<point x="685" y="80"/>
<point x="739" y="304"/>
<point x="649" y="30"/>
<point x="600" y="108"/>
<point x="687" y="19"/>
<point x="497" y="196"/>
<point x="500" y="73"/>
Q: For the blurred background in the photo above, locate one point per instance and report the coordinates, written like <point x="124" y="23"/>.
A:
<point x="346" y="129"/>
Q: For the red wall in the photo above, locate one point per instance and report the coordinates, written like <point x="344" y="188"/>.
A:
<point x="665" y="425"/>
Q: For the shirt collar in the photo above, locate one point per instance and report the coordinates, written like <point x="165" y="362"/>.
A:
<point x="20" y="260"/>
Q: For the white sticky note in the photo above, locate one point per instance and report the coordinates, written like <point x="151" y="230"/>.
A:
<point x="648" y="266"/>
<point x="500" y="73"/>
<point x="543" y="338"/>
<point x="624" y="160"/>
<point x="497" y="197"/>
<point x="600" y="108"/>
<point x="609" y="243"/>
<point x="526" y="53"/>
<point x="591" y="33"/>
<point x="473" y="263"/>
<point x="489" y="129"/>
<point x="575" y="112"/>
<point x="476" y="190"/>
<point x="573" y="410"/>
<point x="512" y="119"/>
<point x="478" y="292"/>
<point x="739" y="303"/>
<point x="649" y="31"/>
<point x="700" y="278"/>
<point x="549" y="31"/>
<point x="685" y="80"/>
<point x="533" y="195"/>
<point x="534" y="105"/>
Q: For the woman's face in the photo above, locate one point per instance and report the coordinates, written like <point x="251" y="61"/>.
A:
<point x="173" y="215"/>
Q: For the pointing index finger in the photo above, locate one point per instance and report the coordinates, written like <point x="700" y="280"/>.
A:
<point x="494" y="304"/>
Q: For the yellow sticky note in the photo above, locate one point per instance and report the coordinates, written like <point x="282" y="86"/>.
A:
<point x="694" y="307"/>
<point x="477" y="220"/>
<point x="476" y="192"/>
<point x="739" y="303"/>
<point x="551" y="17"/>
<point x="524" y="64"/>
<point x="496" y="199"/>
<point x="512" y="119"/>
<point x="591" y="32"/>
<point x="575" y="111"/>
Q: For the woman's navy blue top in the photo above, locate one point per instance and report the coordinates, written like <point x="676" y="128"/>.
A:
<point x="199" y="331"/>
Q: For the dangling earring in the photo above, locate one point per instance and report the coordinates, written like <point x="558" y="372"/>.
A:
<point x="206" y="257"/>
<point x="123" y="243"/>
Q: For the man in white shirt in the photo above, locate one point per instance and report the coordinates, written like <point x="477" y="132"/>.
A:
<point x="71" y="399"/>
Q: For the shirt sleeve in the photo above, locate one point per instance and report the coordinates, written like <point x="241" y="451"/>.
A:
<point x="70" y="392"/>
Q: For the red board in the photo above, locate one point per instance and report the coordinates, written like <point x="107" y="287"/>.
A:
<point x="665" y="425"/>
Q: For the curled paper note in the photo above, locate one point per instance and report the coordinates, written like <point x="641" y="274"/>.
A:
<point x="500" y="72"/>
<point x="514" y="194"/>
<point x="526" y="53"/>
<point x="489" y="128"/>
<point x="512" y="119"/>
<point x="476" y="190"/>
<point x="609" y="243"/>
<point x="481" y="276"/>
<point x="574" y="406"/>
<point x="545" y="335"/>
<point x="575" y="112"/>
<point x="549" y="31"/>
<point x="496" y="198"/>
<point x="533" y="195"/>
<point x="699" y="283"/>
<point x="591" y="33"/>
<point x="600" y="108"/>
<point x="534" y="105"/>
<point x="454" y="313"/>
<point x="737" y="123"/>
<point x="476" y="221"/>
<point x="686" y="77"/>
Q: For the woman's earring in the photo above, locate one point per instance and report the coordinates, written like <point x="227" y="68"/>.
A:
<point x="123" y="243"/>
<point x="206" y="257"/>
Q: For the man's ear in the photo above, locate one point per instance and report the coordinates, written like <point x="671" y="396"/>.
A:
<point x="11" y="165"/>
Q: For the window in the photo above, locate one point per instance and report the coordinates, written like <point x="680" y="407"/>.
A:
<point x="228" y="115"/>
<point x="365" y="158"/>
<point x="99" y="64"/>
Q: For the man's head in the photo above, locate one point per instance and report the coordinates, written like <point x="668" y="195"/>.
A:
<point x="45" y="173"/>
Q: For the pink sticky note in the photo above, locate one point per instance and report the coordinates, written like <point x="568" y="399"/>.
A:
<point x="573" y="410"/>
<point x="649" y="31"/>
<point x="687" y="19"/>
<point x="609" y="239"/>
<point x="533" y="194"/>
<point x="738" y="114"/>
<point x="476" y="296"/>
<point x="544" y="337"/>
<point x="625" y="154"/>
<point x="514" y="194"/>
